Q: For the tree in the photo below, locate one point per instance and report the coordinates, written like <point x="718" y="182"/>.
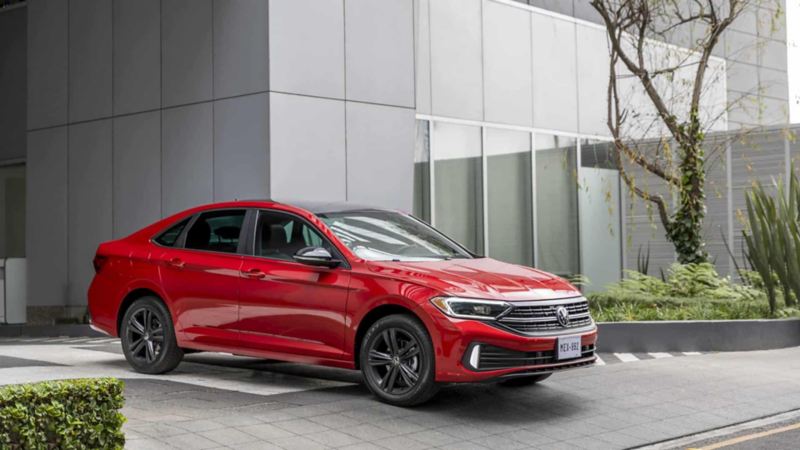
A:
<point x="674" y="82"/>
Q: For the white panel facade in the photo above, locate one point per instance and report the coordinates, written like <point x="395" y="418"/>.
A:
<point x="380" y="155"/>
<point x="137" y="172"/>
<point x="46" y="216"/>
<point x="507" y="64"/>
<point x="306" y="47"/>
<point x="593" y="60"/>
<point x="137" y="55"/>
<point x="379" y="51"/>
<point x="47" y="63"/>
<point x="303" y="164"/>
<point x="240" y="41"/>
<point x="241" y="148"/>
<point x="456" y="59"/>
<point x="89" y="208"/>
<point x="423" y="55"/>
<point x="186" y="51"/>
<point x="187" y="177"/>
<point x="555" y="97"/>
<point x="89" y="59"/>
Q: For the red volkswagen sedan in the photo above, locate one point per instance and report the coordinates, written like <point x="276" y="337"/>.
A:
<point x="339" y="285"/>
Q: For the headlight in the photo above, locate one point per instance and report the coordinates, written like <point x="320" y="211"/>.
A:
<point x="464" y="308"/>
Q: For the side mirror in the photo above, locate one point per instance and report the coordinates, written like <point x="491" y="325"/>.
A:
<point x="316" y="256"/>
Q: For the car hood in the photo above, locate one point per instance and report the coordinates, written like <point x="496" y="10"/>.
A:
<point x="484" y="278"/>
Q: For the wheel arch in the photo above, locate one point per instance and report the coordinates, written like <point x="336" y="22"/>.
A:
<point x="132" y="296"/>
<point x="374" y="315"/>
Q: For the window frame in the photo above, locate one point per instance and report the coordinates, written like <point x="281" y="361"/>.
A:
<point x="252" y="238"/>
<point x="180" y="243"/>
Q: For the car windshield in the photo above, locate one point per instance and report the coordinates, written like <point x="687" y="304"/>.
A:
<point x="390" y="236"/>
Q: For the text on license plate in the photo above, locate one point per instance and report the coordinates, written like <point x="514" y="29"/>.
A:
<point x="568" y="347"/>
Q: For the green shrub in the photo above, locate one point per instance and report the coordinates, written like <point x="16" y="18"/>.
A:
<point x="683" y="281"/>
<point x="71" y="414"/>
<point x="608" y="307"/>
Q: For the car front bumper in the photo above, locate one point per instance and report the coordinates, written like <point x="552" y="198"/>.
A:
<point x="512" y="354"/>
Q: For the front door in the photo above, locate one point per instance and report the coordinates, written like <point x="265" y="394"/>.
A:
<point x="285" y="306"/>
<point x="201" y="277"/>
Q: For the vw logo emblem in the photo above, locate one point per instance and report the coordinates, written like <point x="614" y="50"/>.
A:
<point x="562" y="315"/>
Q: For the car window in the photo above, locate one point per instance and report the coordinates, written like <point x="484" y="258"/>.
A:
<point x="170" y="237"/>
<point x="377" y="235"/>
<point x="281" y="235"/>
<point x="216" y="231"/>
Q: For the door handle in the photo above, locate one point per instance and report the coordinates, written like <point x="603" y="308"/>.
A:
<point x="176" y="263"/>
<point x="254" y="273"/>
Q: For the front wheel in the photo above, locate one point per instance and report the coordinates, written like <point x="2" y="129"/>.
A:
<point x="397" y="361"/>
<point x="148" y="337"/>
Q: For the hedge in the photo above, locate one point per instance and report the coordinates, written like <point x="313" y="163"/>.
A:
<point x="70" y="414"/>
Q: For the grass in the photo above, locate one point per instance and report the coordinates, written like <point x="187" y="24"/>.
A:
<point x="606" y="307"/>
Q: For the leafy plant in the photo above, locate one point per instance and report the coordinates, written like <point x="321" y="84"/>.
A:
<point x="71" y="414"/>
<point x="643" y="260"/>
<point x="682" y="281"/>
<point x="773" y="239"/>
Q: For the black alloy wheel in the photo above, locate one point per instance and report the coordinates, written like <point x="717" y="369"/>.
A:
<point x="397" y="361"/>
<point x="148" y="337"/>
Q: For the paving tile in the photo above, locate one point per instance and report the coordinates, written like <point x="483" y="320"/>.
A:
<point x="191" y="440"/>
<point x="301" y="426"/>
<point x="266" y="431"/>
<point x="200" y="425"/>
<point x="367" y="432"/>
<point x="333" y="438"/>
<point x="434" y="438"/>
<point x="147" y="444"/>
<point x="298" y="443"/>
<point x="228" y="436"/>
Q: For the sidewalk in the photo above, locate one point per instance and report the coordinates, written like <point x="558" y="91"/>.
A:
<point x="219" y="401"/>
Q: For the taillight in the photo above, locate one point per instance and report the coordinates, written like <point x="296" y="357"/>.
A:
<point x="98" y="262"/>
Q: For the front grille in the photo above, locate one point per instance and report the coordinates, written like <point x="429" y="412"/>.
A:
<point x="492" y="358"/>
<point x="541" y="317"/>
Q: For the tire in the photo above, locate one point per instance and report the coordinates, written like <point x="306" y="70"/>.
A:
<point x="148" y="337"/>
<point x="525" y="381"/>
<point x="399" y="344"/>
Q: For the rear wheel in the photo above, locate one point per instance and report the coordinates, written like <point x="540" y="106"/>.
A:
<point x="525" y="381"/>
<point x="148" y="337"/>
<point x="397" y="361"/>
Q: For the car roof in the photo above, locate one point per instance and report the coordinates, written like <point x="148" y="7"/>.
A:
<point x="323" y="207"/>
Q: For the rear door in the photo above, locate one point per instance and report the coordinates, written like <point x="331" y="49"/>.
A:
<point x="200" y="275"/>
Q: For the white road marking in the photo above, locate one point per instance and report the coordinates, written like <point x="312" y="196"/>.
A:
<point x="691" y="353"/>
<point x="659" y="355"/>
<point x="599" y="362"/>
<point x="84" y="363"/>
<point x="626" y="357"/>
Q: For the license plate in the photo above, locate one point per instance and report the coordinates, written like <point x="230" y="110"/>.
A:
<point x="569" y="347"/>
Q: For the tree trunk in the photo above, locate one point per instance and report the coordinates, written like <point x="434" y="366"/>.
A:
<point x="685" y="230"/>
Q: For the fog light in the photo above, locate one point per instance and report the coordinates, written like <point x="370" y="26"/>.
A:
<point x="475" y="356"/>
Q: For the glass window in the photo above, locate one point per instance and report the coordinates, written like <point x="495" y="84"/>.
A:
<point x="508" y="167"/>
<point x="557" y="205"/>
<point x="458" y="192"/>
<point x="422" y="172"/>
<point x="390" y="236"/>
<point x="216" y="231"/>
<point x="170" y="237"/>
<point x="281" y="236"/>
<point x="600" y="220"/>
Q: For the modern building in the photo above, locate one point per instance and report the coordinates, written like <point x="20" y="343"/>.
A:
<point x="485" y="117"/>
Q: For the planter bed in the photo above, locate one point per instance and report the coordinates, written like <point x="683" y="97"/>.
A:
<point x="698" y="335"/>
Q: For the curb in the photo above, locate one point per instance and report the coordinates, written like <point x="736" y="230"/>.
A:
<point x="698" y="335"/>
<point x="67" y="330"/>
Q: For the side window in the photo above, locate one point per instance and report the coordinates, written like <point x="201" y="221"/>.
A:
<point x="216" y="231"/>
<point x="280" y="236"/>
<point x="170" y="237"/>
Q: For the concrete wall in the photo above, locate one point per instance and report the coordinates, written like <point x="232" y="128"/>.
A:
<point x="137" y="110"/>
<point x="13" y="63"/>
